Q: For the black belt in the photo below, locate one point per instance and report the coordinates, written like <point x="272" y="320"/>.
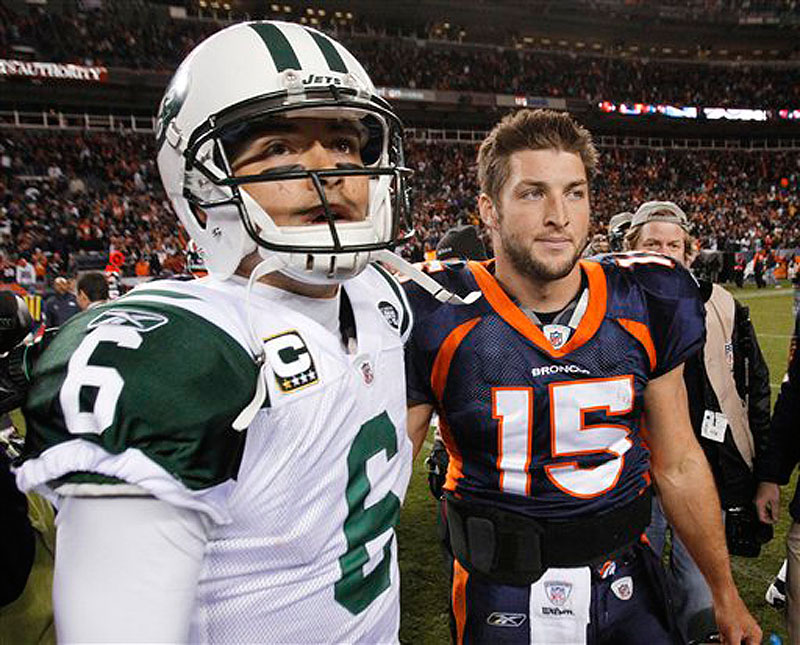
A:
<point x="514" y="549"/>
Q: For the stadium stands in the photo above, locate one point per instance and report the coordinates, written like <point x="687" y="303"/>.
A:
<point x="68" y="194"/>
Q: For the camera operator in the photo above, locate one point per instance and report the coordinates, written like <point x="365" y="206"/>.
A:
<point x="728" y="386"/>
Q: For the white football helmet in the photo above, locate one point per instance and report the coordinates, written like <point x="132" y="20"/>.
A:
<point x="252" y="72"/>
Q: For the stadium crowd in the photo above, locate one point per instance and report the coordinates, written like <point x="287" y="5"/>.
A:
<point x="143" y="42"/>
<point x="65" y="195"/>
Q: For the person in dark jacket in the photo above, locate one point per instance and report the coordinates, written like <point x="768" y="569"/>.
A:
<point x="62" y="305"/>
<point x="18" y="539"/>
<point x="729" y="406"/>
<point x="775" y="469"/>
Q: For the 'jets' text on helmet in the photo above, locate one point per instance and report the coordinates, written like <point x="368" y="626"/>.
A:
<point x="249" y="74"/>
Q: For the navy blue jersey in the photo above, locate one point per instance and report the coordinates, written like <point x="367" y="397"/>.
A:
<point x="552" y="433"/>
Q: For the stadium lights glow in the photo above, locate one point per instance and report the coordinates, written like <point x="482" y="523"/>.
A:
<point x="446" y="25"/>
<point x="545" y="41"/>
<point x="734" y="114"/>
<point x="287" y="9"/>
<point x="597" y="46"/>
<point x="349" y="15"/>
<point x="528" y="39"/>
<point x="639" y="109"/>
<point x="275" y="8"/>
<point x="563" y="43"/>
<point x="314" y="21"/>
<point x="226" y="6"/>
<point x="309" y="11"/>
<point x="202" y="4"/>
<point x="321" y="12"/>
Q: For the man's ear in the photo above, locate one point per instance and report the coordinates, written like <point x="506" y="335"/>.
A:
<point x="489" y="215"/>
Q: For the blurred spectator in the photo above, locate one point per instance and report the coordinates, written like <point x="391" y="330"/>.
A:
<point x="461" y="243"/>
<point x="62" y="305"/>
<point x="92" y="290"/>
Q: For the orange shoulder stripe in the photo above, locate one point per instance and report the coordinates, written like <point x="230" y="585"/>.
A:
<point x="441" y="365"/>
<point x="641" y="333"/>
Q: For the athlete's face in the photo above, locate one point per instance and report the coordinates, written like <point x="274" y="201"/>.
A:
<point x="541" y="219"/>
<point x="306" y="144"/>
<point x="663" y="237"/>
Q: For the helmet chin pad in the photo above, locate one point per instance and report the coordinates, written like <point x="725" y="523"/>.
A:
<point x="311" y="267"/>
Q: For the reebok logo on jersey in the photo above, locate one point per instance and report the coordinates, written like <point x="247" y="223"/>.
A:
<point x="141" y="321"/>
<point x="290" y="361"/>
<point x="557" y="369"/>
<point x="502" y="619"/>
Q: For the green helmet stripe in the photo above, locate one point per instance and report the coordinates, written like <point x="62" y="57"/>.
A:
<point x="279" y="47"/>
<point x="332" y="56"/>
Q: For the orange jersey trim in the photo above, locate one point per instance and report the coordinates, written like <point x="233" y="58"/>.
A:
<point x="441" y="365"/>
<point x="512" y="314"/>
<point x="455" y="466"/>
<point x="439" y="372"/>
<point x="641" y="333"/>
<point x="459" y="599"/>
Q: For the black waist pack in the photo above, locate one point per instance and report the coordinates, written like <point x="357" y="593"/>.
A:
<point x="514" y="549"/>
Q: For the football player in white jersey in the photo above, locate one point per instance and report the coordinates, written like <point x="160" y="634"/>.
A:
<point x="229" y="454"/>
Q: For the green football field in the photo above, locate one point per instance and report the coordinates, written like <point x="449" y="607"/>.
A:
<point x="425" y="582"/>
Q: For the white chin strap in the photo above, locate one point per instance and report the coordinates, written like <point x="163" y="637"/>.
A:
<point x="247" y="415"/>
<point x="425" y="281"/>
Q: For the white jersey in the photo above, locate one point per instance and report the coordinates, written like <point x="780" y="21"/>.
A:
<point x="302" y="544"/>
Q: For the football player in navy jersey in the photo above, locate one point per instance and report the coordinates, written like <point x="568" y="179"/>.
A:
<point x="558" y="382"/>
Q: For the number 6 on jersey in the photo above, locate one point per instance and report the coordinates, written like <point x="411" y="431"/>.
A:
<point x="106" y="380"/>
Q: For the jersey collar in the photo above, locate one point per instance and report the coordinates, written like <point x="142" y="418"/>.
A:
<point x="513" y="315"/>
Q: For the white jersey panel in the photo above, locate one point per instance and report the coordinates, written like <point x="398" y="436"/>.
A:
<point x="310" y="554"/>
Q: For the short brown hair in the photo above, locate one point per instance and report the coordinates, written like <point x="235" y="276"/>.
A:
<point x="530" y="130"/>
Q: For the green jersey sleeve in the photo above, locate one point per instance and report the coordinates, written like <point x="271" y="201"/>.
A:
<point x="141" y="397"/>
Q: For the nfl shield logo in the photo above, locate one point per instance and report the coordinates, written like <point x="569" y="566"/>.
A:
<point x="367" y="373"/>
<point x="558" y="592"/>
<point x="623" y="588"/>
<point x="558" y="335"/>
